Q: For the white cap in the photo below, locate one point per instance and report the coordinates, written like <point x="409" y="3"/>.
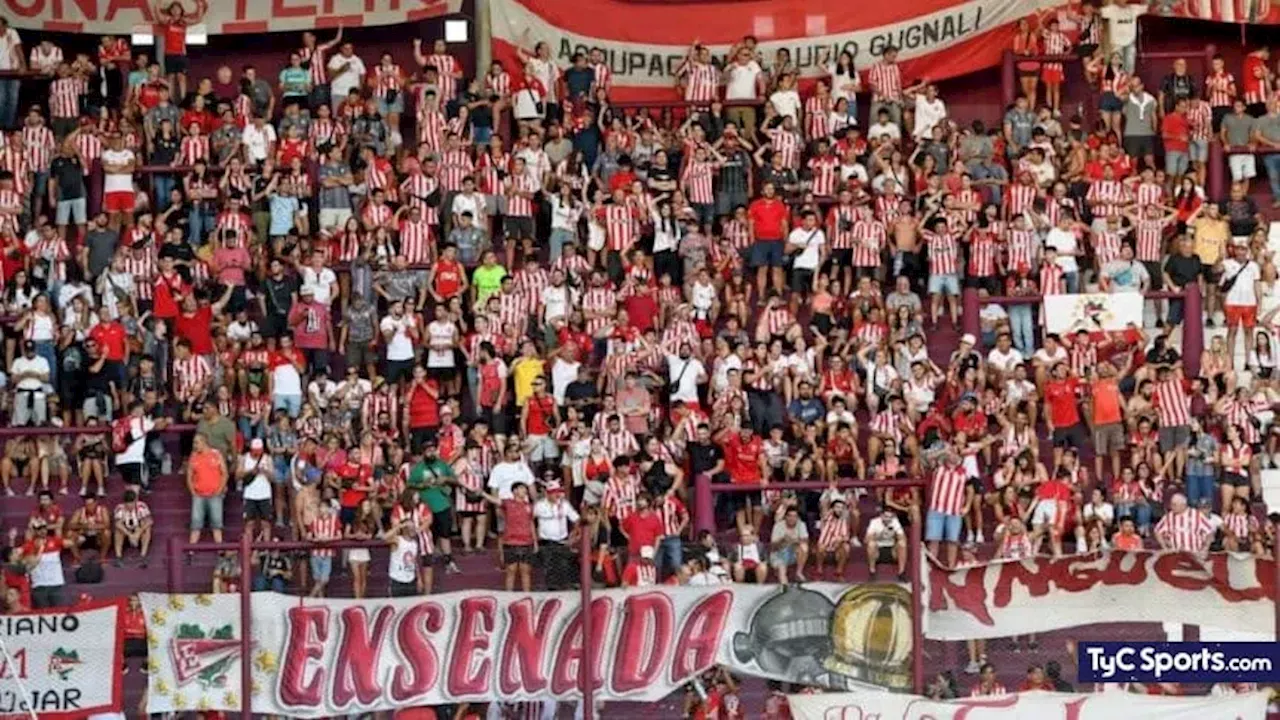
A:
<point x="646" y="552"/>
<point x="968" y="338"/>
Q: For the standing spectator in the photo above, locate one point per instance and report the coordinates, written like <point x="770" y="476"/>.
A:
<point x="346" y="73"/>
<point x="1177" y="85"/>
<point x="744" y="82"/>
<point x="1122" y="30"/>
<point x="259" y="469"/>
<point x="1141" y="117"/>
<point x="174" y="21"/>
<point x="12" y="57"/>
<point x="885" y="79"/>
<point x="1175" y="135"/>
<point x="207" y="483"/>
<point x="1237" y="137"/>
<point x="42" y="554"/>
<point x="789" y="543"/>
<point x="946" y="507"/>
<point x="1266" y="136"/>
<point x="1240" y="284"/>
<point x="556" y="519"/>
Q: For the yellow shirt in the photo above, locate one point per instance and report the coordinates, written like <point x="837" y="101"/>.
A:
<point x="524" y="371"/>
<point x="1211" y="237"/>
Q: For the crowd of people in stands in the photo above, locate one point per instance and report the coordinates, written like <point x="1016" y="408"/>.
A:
<point x="453" y="313"/>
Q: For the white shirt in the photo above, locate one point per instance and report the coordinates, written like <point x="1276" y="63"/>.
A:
<point x="1122" y="23"/>
<point x="720" y="380"/>
<point x="787" y="103"/>
<point x="117" y="182"/>
<point x="885" y="534"/>
<point x="257" y="139"/>
<point x="563" y="372"/>
<point x="553" y="519"/>
<point x="928" y="114"/>
<point x="1242" y="292"/>
<point x="740" y="80"/>
<point x="9" y="43"/>
<point x="441" y="338"/>
<point x="23" y="364"/>
<point x="880" y="129"/>
<point x="259" y="485"/>
<point x="555" y="302"/>
<point x="506" y="474"/>
<point x="685" y="373"/>
<point x="340" y="85"/>
<point x="546" y="72"/>
<point x="321" y="283"/>
<point x="1064" y="241"/>
<point x="399" y="347"/>
<point x="402" y="562"/>
<point x="812" y="241"/>
<point x="468" y="203"/>
<point x="138" y="429"/>
<point x="285" y="380"/>
<point x="564" y="217"/>
<point x="48" y="570"/>
<point x="1004" y="361"/>
<point x="842" y="85"/>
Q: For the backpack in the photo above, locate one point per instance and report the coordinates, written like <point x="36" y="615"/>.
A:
<point x="121" y="434"/>
<point x="90" y="573"/>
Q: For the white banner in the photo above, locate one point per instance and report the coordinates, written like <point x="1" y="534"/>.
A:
<point x="121" y="17"/>
<point x="999" y="599"/>
<point x="1095" y="312"/>
<point x="62" y="664"/>
<point x="1027" y="706"/>
<point x="324" y="658"/>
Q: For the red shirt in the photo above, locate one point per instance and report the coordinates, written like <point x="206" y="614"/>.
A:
<point x="1175" y="131"/>
<point x="642" y="528"/>
<point x="424" y="408"/>
<point x="197" y="329"/>
<point x="13" y="259"/>
<point x="360" y="475"/>
<point x="135" y="623"/>
<point x="1060" y="395"/>
<point x="621" y="181"/>
<point x="769" y="218"/>
<point x="175" y="38"/>
<point x="519" y="523"/>
<point x="641" y="309"/>
<point x="111" y="337"/>
<point x="742" y="459"/>
<point x="448" y="278"/>
<point x="540" y="414"/>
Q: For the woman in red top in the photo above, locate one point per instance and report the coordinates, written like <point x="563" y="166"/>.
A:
<point x="1026" y="42"/>
<point x="173" y="26"/>
<point x="135" y="632"/>
<point x="519" y="542"/>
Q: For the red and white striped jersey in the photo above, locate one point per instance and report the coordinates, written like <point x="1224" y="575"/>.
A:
<point x="698" y="181"/>
<point x="1023" y="248"/>
<point x="64" y="97"/>
<point x="1199" y="119"/>
<point x="315" y="56"/>
<point x="190" y="376"/>
<point x="40" y="145"/>
<point x="984" y="247"/>
<point x="499" y="84"/>
<point x="622" y="442"/>
<point x="432" y="125"/>
<point x="387" y="80"/>
<point x="816" y="112"/>
<point x="193" y="148"/>
<point x="448" y="66"/>
<point x="1015" y="547"/>
<point x="1056" y="42"/>
<point x="833" y="531"/>
<point x="738" y="233"/>
<point x="415" y="241"/>
<point x="946" y="490"/>
<point x="514" y="309"/>
<point x="674" y="515"/>
<point x="530" y="283"/>
<point x="826" y="175"/>
<point x="1116" y="83"/>
<point x="1020" y="198"/>
<point x="1127" y="492"/>
<point x="1187" y="530"/>
<point x="600" y="304"/>
<point x="1173" y="404"/>
<point x="887" y="208"/>
<point x="788" y="144"/>
<point x="455" y="166"/>
<point x="943" y="253"/>
<point x="53" y="249"/>
<point x="890" y="424"/>
<point x="237" y="222"/>
<point x="89" y="147"/>
<point x="777" y="320"/>
<point x="415" y="190"/>
<point x="603" y="75"/>
<point x="45" y="60"/>
<point x="143" y="269"/>
<point x="1149" y="194"/>
<point x="619" y="226"/>
<point x="1051" y="279"/>
<point x="1150" y="239"/>
<point x="420" y="516"/>
<point x="1081" y="356"/>
<point x="1240" y="526"/>
<point x="1221" y="89"/>
<point x="885" y="80"/>
<point x="841" y="226"/>
<point x="702" y="84"/>
<point x="1106" y="197"/>
<point x="996" y="690"/>
<point x="1106" y="245"/>
<point x="575" y="267"/>
<point x="375" y="404"/>
<point x="871" y="239"/>
<point x="469" y="477"/>
<point x="325" y="131"/>
<point x="489" y="167"/>
<point x="374" y="215"/>
<point x="520" y="201"/>
<point x="325" y="528"/>
<point x="11" y="199"/>
<point x="620" y="494"/>
<point x="131" y="517"/>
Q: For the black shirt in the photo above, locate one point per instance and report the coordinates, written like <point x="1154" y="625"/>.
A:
<point x="1176" y="86"/>
<point x="704" y="457"/>
<point x="70" y="176"/>
<point x="1183" y="269"/>
<point x="583" y="390"/>
<point x="279" y="294"/>
<point x="165" y="150"/>
<point x="102" y="246"/>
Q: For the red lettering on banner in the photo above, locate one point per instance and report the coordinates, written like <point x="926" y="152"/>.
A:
<point x="308" y="632"/>
<point x="644" y="638"/>
<point x="1036" y="583"/>
<point x="968" y="706"/>
<point x="970" y="597"/>
<point x="35" y="8"/>
<point x="476" y="620"/>
<point x="115" y="7"/>
<point x="88" y="9"/>
<point x="1182" y="571"/>
<point x="569" y="653"/>
<point x="699" y="639"/>
<point x="521" y="665"/>
<point x="280" y="10"/>
<point x="1074" y="707"/>
<point x="242" y="11"/>
<point x="355" y="670"/>
<point x="421" y="669"/>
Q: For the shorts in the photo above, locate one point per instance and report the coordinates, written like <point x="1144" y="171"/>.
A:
<point x="73" y="212"/>
<point x="135" y="647"/>
<point x="517" y="555"/>
<point x="1176" y="163"/>
<point x="541" y="448"/>
<point x="1139" y="145"/>
<point x="767" y="253"/>
<point x="403" y="589"/>
<point x="1110" y="103"/>
<point x="395" y="106"/>
<point x="206" y="512"/>
<point x="514" y="227"/>
<point x="1198" y="150"/>
<point x="884" y="555"/>
<point x="321" y="568"/>
<point x="1236" y="480"/>
<point x="1069" y="437"/>
<point x="1237" y="315"/>
<point x="1053" y="74"/>
<point x="1045" y="513"/>
<point x="943" y="527"/>
<point x="442" y="374"/>
<point x="258" y="510"/>
<point x="442" y="523"/>
<point x="91" y="542"/>
<point x="801" y="280"/>
<point x="1173" y="437"/>
<point x="1243" y="167"/>
<point x="783" y="557"/>
<point x="399" y="369"/>
<point x="175" y="64"/>
<point x="360" y="354"/>
<point x="944" y="285"/>
<point x="118" y="201"/>
<point x="1108" y="438"/>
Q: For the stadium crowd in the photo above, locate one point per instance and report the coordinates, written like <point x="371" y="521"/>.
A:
<point x="455" y="313"/>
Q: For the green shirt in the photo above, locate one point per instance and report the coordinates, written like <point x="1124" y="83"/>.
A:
<point x="488" y="281"/>
<point x="429" y="478"/>
<point x="221" y="434"/>
<point x="296" y="81"/>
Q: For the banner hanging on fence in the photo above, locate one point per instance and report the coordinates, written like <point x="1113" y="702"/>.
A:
<point x="121" y="17"/>
<point x="1027" y="706"/>
<point x="62" y="664"/>
<point x="1095" y="312"/>
<point x="644" y="44"/>
<point x="1000" y="599"/>
<point x="323" y="658"/>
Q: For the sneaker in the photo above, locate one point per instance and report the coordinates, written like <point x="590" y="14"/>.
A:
<point x="855" y="542"/>
<point x="902" y="577"/>
<point x="102" y="492"/>
<point x="874" y="573"/>
<point x="973" y="668"/>
<point x="8" y="491"/>
<point x="63" y="491"/>
<point x="117" y="562"/>
<point x="980" y="539"/>
<point x="970" y="538"/>
<point x="84" y="491"/>
<point x="452" y="568"/>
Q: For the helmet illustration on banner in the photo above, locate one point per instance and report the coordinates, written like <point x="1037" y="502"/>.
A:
<point x="789" y="636"/>
<point x="871" y="636"/>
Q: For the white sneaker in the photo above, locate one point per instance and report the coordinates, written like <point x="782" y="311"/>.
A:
<point x="969" y="537"/>
<point x="855" y="542"/>
<point x="973" y="668"/>
<point x="980" y="539"/>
